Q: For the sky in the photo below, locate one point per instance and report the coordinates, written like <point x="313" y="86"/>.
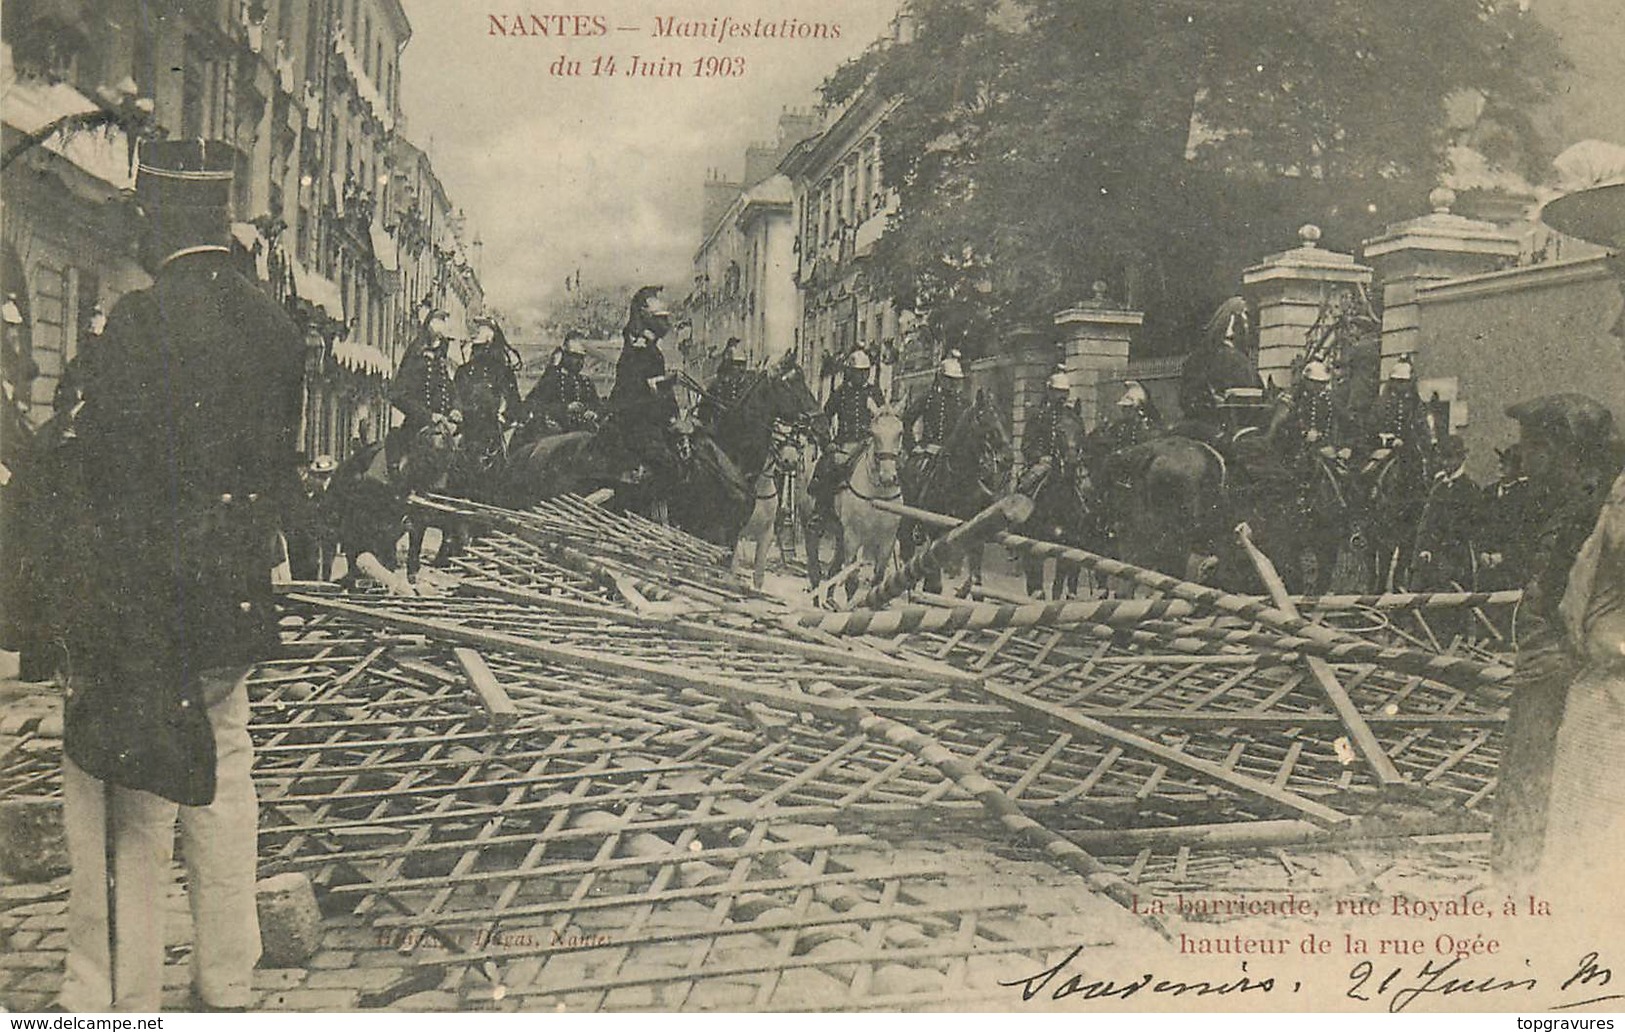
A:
<point x="603" y="174"/>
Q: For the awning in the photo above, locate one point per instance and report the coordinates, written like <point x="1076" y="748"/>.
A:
<point x="361" y="358"/>
<point x="317" y="289"/>
<point x="384" y="248"/>
<point x="29" y="105"/>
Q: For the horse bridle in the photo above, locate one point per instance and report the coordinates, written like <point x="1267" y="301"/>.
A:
<point x="876" y="456"/>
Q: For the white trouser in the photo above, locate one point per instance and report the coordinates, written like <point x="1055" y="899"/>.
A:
<point x="220" y="851"/>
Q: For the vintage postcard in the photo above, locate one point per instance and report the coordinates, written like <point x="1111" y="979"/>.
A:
<point x="813" y="505"/>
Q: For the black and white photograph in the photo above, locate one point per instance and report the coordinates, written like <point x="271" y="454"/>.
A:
<point x="784" y="506"/>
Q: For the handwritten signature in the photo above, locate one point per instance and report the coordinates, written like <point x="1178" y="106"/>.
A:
<point x="1399" y="987"/>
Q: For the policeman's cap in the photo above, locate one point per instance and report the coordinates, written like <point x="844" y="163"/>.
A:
<point x="192" y="174"/>
<point x="1567" y="419"/>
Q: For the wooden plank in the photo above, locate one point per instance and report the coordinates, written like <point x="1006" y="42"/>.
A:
<point x="499" y="708"/>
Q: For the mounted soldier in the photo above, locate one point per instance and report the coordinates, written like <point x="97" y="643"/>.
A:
<point x="724" y="391"/>
<point x="564" y="399"/>
<point x="486" y="392"/>
<point x="423" y="390"/>
<point x="1137" y="419"/>
<point x="1219" y="387"/>
<point x="1048" y="433"/>
<point x="643" y="398"/>
<point x="851" y="408"/>
<point x="935" y="412"/>
<point x="1402" y="426"/>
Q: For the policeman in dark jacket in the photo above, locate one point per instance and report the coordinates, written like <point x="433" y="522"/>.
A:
<point x="851" y="408"/>
<point x="564" y="398"/>
<point x="1216" y="367"/>
<point x="1512" y="513"/>
<point x="186" y="434"/>
<point x="1402" y="416"/>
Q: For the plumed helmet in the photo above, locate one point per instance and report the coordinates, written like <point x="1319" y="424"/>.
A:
<point x="10" y="313"/>
<point x="1133" y="394"/>
<point x="1316" y="372"/>
<point x="1402" y="371"/>
<point x="1059" y="381"/>
<point x="951" y="367"/>
<point x="859" y="359"/>
<point x="324" y="465"/>
<point x="573" y="346"/>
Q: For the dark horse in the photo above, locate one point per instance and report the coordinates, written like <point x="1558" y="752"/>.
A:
<point x="367" y="502"/>
<point x="969" y="472"/>
<point x="1066" y="508"/>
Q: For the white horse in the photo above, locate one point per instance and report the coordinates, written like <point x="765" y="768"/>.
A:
<point x="868" y="532"/>
<point x="767" y="489"/>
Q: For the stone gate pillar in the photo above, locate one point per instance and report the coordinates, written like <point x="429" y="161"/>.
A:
<point x="1094" y="339"/>
<point x="1288" y="290"/>
<point x="1417" y="252"/>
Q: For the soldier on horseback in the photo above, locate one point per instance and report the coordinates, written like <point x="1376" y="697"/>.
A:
<point x="643" y="400"/>
<point x="564" y="399"/>
<point x="851" y="407"/>
<point x="487" y="393"/>
<point x="724" y="392"/>
<point x="1403" y="424"/>
<point x="1137" y="419"/>
<point x="936" y="411"/>
<point x="423" y="389"/>
<point x="1218" y="381"/>
<point x="1047" y="435"/>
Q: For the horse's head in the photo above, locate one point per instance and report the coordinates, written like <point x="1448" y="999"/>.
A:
<point x="982" y="428"/>
<point x="886" y="444"/>
<point x="681" y="433"/>
<point x="792" y="399"/>
<point x="786" y="445"/>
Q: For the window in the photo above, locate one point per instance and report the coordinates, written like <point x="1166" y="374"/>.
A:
<point x="49" y="336"/>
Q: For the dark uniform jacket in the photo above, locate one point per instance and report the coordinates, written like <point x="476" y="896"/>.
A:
<point x="485" y="386"/>
<point x="1313" y="413"/>
<point x="723" y="394"/>
<point x="850" y="407"/>
<point x="556" y="391"/>
<point x="1047" y="434"/>
<point x="633" y="400"/>
<point x="937" y="412"/>
<point x="185" y="439"/>
<point x="422" y="388"/>
<point x="1512" y="515"/>
<point x="1402" y="414"/>
<point x="1135" y="428"/>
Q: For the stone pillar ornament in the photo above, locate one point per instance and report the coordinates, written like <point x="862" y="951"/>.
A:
<point x="1094" y="337"/>
<point x="1288" y="290"/>
<point x="1434" y="247"/>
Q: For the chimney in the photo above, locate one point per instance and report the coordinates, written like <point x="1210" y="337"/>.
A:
<point x="761" y="161"/>
<point x="795" y="125"/>
<point x="719" y="193"/>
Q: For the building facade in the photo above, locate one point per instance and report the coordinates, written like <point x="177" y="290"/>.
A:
<point x="307" y="91"/>
<point x="744" y="268"/>
<point x="840" y="211"/>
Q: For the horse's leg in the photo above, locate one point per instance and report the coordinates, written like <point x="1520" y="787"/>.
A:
<point x="765" y="517"/>
<point x="414" y="547"/>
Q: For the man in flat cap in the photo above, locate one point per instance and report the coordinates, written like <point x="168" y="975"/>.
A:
<point x="1567" y="443"/>
<point x="186" y="436"/>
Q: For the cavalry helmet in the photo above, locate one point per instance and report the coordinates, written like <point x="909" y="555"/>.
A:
<point x="573" y="346"/>
<point x="1401" y="371"/>
<point x="1059" y="381"/>
<point x="1133" y="394"/>
<point x="859" y="359"/>
<point x="324" y="466"/>
<point x="951" y="367"/>
<point x="1316" y="372"/>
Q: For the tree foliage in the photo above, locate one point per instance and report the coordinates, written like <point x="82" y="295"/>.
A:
<point x="1038" y="145"/>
